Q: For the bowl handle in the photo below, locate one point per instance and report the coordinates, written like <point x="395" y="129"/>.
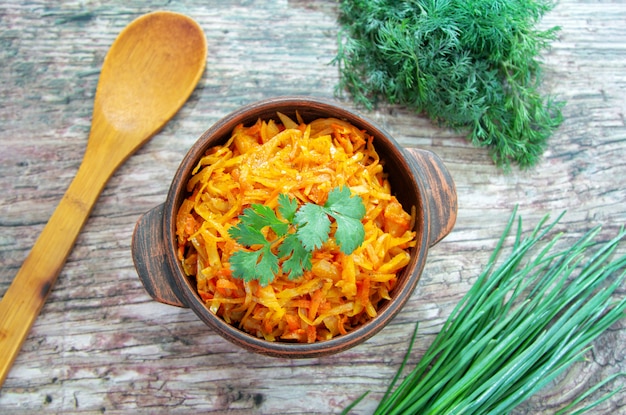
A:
<point x="148" y="250"/>
<point x="441" y="191"/>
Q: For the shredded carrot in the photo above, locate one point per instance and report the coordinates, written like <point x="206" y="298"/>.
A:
<point x="305" y="161"/>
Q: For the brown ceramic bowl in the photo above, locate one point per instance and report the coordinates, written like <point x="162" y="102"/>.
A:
<point x="417" y="177"/>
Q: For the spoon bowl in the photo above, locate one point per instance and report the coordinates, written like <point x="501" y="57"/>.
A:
<point x="149" y="72"/>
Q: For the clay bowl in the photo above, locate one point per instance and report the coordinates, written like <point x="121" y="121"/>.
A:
<point x="418" y="177"/>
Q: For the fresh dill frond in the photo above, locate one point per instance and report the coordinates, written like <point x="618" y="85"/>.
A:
<point x="471" y="65"/>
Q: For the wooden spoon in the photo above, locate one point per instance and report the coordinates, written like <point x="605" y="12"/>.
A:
<point x="148" y="74"/>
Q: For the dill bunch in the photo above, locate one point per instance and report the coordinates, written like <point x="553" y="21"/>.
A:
<point x="471" y="65"/>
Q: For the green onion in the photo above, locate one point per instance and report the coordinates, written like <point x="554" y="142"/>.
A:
<point x="521" y="324"/>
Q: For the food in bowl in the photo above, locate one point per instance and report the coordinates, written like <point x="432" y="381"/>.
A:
<point x="418" y="178"/>
<point x="339" y="241"/>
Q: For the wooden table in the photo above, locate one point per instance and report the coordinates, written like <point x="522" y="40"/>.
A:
<point x="101" y="344"/>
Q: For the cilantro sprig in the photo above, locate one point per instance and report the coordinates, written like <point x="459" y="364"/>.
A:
<point x="296" y="234"/>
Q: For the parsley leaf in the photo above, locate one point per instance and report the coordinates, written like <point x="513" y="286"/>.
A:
<point x="287" y="206"/>
<point x="299" y="232"/>
<point x="246" y="234"/>
<point x="313" y="226"/>
<point x="341" y="201"/>
<point x="349" y="234"/>
<point x="347" y="212"/>
<point x="298" y="257"/>
<point x="259" y="265"/>
<point x="265" y="216"/>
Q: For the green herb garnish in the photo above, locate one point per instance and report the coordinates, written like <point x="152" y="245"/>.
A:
<point x="297" y="233"/>
<point x="467" y="64"/>
<point x="521" y="324"/>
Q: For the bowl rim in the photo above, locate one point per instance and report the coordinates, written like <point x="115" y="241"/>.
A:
<point x="279" y="348"/>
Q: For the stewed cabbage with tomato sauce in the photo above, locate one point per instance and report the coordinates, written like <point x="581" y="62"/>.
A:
<point x="304" y="161"/>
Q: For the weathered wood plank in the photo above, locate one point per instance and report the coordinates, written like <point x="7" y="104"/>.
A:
<point x="101" y="344"/>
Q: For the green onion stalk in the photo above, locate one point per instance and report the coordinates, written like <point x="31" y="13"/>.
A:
<point x="522" y="324"/>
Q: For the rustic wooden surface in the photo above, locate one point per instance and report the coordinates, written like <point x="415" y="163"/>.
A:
<point x="102" y="345"/>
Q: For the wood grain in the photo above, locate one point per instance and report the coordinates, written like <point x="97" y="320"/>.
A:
<point x="146" y="77"/>
<point x="101" y="344"/>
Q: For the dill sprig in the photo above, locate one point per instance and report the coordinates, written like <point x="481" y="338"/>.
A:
<point x="522" y="323"/>
<point x="470" y="65"/>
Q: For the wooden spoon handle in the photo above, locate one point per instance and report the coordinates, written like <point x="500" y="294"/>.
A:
<point x="34" y="280"/>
